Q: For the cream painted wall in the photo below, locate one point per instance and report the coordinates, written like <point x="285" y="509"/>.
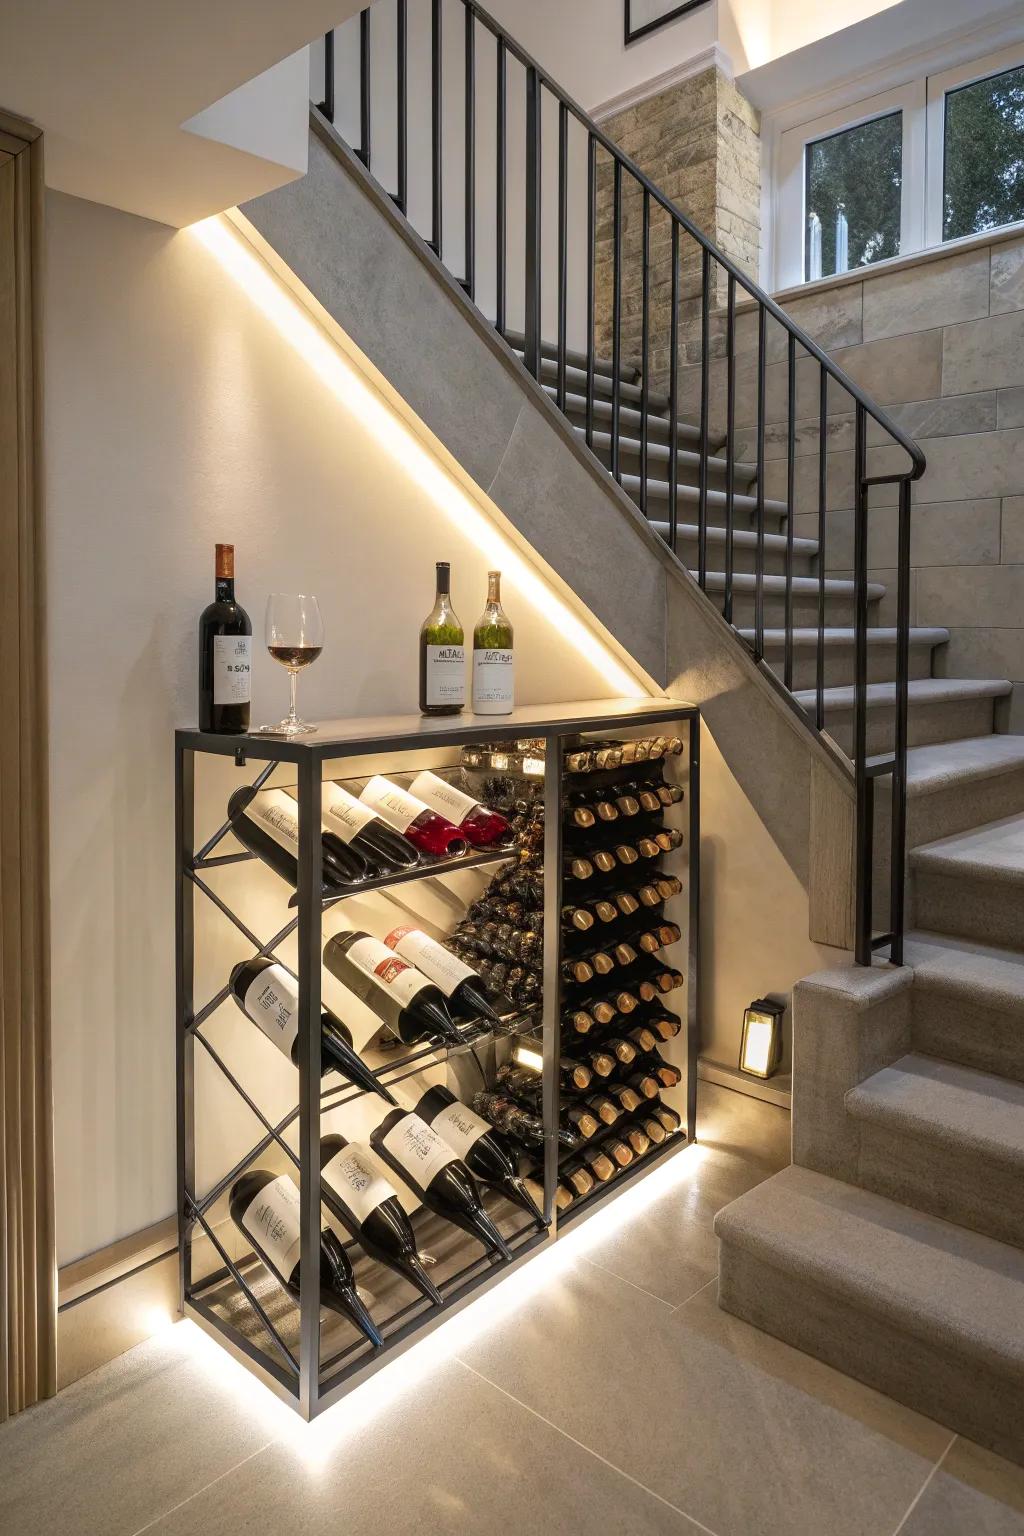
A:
<point x="177" y="416"/>
<point x="798" y="22"/>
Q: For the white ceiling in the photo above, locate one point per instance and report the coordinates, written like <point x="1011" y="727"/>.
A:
<point x="112" y="82"/>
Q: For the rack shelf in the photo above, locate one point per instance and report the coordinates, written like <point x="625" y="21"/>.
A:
<point x="310" y="1359"/>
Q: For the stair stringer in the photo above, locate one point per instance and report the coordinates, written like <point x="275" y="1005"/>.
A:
<point x="341" y="237"/>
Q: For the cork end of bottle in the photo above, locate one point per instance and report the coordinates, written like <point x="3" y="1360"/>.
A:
<point x="226" y="561"/>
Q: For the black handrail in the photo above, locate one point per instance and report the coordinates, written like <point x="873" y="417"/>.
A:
<point x="625" y="173"/>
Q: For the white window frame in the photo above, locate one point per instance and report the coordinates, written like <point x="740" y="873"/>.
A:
<point x="791" y="191"/>
<point x="939" y="87"/>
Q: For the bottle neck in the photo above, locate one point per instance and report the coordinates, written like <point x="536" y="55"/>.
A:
<point x="444" y="584"/>
<point x="494" y="589"/>
<point x="225" y="589"/>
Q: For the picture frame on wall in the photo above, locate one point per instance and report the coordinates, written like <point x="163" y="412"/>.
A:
<point x="646" y="16"/>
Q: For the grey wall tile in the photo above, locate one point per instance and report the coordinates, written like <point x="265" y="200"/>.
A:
<point x="1007" y="277"/>
<point x="832" y="319"/>
<point x="966" y="468"/>
<point x="1010" y="408"/>
<point x="983" y="354"/>
<point x="941" y="533"/>
<point x="899" y="302"/>
<point x="898" y="368"/>
<point x="970" y="596"/>
<point x="984" y="653"/>
<point x="1012" y="552"/>
<point x="942" y="418"/>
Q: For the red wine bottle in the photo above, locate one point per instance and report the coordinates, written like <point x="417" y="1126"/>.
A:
<point x="367" y="1205"/>
<point x="266" y="821"/>
<point x="400" y="995"/>
<point x="478" y="824"/>
<point x="225" y="655"/>
<point x="268" y="994"/>
<point x="346" y="821"/>
<point x="460" y="984"/>
<point x="483" y="1149"/>
<point x="266" y="1208"/>
<point x="424" y="828"/>
<point x="426" y="1162"/>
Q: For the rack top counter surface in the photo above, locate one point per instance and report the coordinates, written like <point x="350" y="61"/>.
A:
<point x="341" y="738"/>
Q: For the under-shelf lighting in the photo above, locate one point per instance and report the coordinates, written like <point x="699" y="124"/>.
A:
<point x="351" y="387"/>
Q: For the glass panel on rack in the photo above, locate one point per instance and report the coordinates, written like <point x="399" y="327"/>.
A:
<point x="983" y="177"/>
<point x="854" y="184"/>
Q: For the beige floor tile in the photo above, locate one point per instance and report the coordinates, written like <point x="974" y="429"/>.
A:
<point x="745" y="1434"/>
<point x="123" y="1445"/>
<point x="452" y="1458"/>
<point x="973" y="1494"/>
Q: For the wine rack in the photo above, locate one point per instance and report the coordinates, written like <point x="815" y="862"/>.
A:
<point x="239" y="1111"/>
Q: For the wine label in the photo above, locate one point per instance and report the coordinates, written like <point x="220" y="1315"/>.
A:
<point x="460" y="1127"/>
<point x="278" y="815"/>
<point x="354" y="1175"/>
<point x="443" y="797"/>
<point x="446" y="674"/>
<point x="395" y="805"/>
<point x="493" y="682"/>
<point x="272" y="1002"/>
<point x="435" y="962"/>
<point x="272" y="1221"/>
<point x="341" y="813"/>
<point x="418" y="1149"/>
<point x="232" y="669"/>
<point x="400" y="981"/>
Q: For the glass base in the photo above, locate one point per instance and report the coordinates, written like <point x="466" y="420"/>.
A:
<point x="285" y="727"/>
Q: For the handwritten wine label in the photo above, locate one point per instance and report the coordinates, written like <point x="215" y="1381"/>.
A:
<point x="460" y="1127"/>
<point x="443" y="797"/>
<point x="493" y="682"/>
<point x="354" y="1175"/>
<point x="272" y="1002"/>
<point x="232" y="669"/>
<point x="395" y="805"/>
<point x="278" y="815"/>
<point x="272" y="1220"/>
<point x="418" y="1150"/>
<point x="446" y="674"/>
<point x="342" y="813"/>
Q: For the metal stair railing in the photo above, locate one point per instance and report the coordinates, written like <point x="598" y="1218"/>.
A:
<point x="533" y="96"/>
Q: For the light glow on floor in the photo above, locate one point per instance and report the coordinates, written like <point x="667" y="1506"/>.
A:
<point x="317" y="1442"/>
<point x="340" y="375"/>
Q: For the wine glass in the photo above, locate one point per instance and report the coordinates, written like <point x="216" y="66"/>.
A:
<point x="294" y="632"/>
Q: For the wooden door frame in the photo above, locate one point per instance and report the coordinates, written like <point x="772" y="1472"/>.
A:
<point x="27" y="1245"/>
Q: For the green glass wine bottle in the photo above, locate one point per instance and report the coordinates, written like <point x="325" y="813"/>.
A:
<point x="442" y="653"/>
<point x="493" y="668"/>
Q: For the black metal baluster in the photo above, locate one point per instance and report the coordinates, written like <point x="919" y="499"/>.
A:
<point x="327" y="105"/>
<point x="730" y="443"/>
<point x="436" y="126"/>
<point x="364" y="87"/>
<point x="819" y="706"/>
<point x="865" y="786"/>
<point x="616" y="316"/>
<point x="591" y="280"/>
<point x="563" y="245"/>
<point x="898" y="852"/>
<point x="533" y="223"/>
<point x="705" y="415"/>
<point x="673" y="393"/>
<point x="402" y="103"/>
<point x="500" y="189"/>
<point x="645" y="346"/>
<point x="470" y="214"/>
<point x="790" y="504"/>
<point x="762" y="408"/>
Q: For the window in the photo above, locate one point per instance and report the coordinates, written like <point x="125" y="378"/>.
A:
<point x="940" y="158"/>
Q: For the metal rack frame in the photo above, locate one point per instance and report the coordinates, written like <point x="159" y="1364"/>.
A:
<point x="307" y="1382"/>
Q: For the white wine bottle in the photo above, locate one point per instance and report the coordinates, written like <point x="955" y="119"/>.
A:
<point x="442" y="653"/>
<point x="493" y="661"/>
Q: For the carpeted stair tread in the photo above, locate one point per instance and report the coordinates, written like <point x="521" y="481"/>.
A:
<point x="993" y="852"/>
<point x="837" y="636"/>
<point x="947" y="764"/>
<point x="953" y="1106"/>
<point x="922" y="690"/>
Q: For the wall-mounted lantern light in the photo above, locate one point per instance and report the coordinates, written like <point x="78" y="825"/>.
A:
<point x="761" y="1046"/>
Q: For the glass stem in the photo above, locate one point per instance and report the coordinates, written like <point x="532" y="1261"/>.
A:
<point x="293" y="683"/>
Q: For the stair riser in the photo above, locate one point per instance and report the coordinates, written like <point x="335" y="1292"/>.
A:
<point x="960" y="1026"/>
<point x="689" y="472"/>
<point x="576" y="383"/>
<point x="658" y="427"/>
<point x="928" y="723"/>
<point x="839" y="665"/>
<point x="963" y="806"/>
<point x="838" y="610"/>
<point x="943" y="1382"/>
<point x="943" y="1179"/>
<point x="987" y="910"/>
<point x="744" y="559"/>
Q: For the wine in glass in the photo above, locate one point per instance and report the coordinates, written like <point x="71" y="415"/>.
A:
<point x="295" y="638"/>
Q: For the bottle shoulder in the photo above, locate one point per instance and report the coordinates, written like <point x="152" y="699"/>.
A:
<point x="228" y="618"/>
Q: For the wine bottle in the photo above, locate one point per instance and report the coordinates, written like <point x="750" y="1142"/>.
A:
<point x="574" y="1118"/>
<point x="653" y="1128"/>
<point x="604" y="1107"/>
<point x="225" y="655"/>
<point x="442" y="654"/>
<point x="426" y="1162"/>
<point x="666" y="1026"/>
<point x="266" y="1208"/>
<point x="667" y="1115"/>
<point x="508" y="1116"/>
<point x="572" y="1075"/>
<point x="478" y="824"/>
<point x="348" y="821"/>
<point x="619" y="1150"/>
<point x="480" y="1145"/>
<point x="268" y="994"/>
<point x="367" y="1206"/>
<point x="459" y="983"/>
<point x="637" y="1138"/>
<point x="577" y="1177"/>
<point x="667" y="1074"/>
<point x="493" y="663"/>
<point x="578" y="917"/>
<point x="423" y="827"/>
<point x="595" y="1160"/>
<point x="628" y="804"/>
<point x="266" y="821"/>
<point x="401" y="997"/>
<point x="645" y="1084"/>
